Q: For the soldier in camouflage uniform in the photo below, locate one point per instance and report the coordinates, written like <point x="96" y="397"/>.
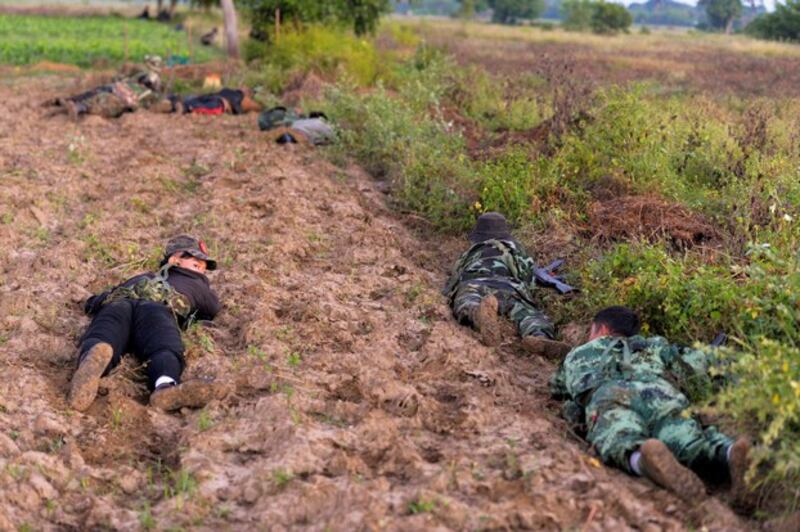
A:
<point x="627" y="393"/>
<point x="495" y="277"/>
<point x="140" y="88"/>
<point x="143" y="316"/>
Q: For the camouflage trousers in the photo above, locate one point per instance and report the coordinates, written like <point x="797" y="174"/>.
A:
<point x="622" y="414"/>
<point x="528" y="319"/>
<point x="105" y="104"/>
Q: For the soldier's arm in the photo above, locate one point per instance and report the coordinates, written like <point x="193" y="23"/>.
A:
<point x="208" y="305"/>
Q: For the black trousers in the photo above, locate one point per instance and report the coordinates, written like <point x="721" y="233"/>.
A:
<point x="146" y="329"/>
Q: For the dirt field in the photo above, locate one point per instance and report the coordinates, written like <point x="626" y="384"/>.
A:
<point x="352" y="401"/>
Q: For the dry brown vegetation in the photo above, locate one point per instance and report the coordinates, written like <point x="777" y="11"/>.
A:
<point x="740" y="67"/>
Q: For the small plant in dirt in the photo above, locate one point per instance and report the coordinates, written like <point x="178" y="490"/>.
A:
<point x="281" y="478"/>
<point x="146" y="519"/>
<point x="76" y="150"/>
<point x="420" y="506"/>
<point x="204" y="421"/>
<point x="198" y="341"/>
<point x="116" y="418"/>
<point x="180" y="483"/>
<point x="294" y="359"/>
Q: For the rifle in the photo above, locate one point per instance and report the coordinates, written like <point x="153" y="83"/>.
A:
<point x="545" y="277"/>
<point x="719" y="340"/>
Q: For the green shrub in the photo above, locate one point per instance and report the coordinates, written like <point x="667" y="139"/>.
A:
<point x="508" y="185"/>
<point x="329" y="52"/>
<point x="577" y="14"/>
<point x="764" y="397"/>
<point x="424" y="162"/>
<point x="610" y="18"/>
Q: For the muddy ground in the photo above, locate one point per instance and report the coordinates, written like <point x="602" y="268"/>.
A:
<point x="351" y="399"/>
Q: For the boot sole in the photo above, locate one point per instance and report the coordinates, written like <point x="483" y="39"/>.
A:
<point x="551" y="349"/>
<point x="194" y="393"/>
<point x="660" y="465"/>
<point x="86" y="379"/>
<point x="739" y="463"/>
<point x="487" y="321"/>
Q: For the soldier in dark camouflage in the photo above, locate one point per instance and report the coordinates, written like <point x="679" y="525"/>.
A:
<point x="143" y="315"/>
<point x="495" y="277"/>
<point x="140" y="88"/>
<point x="626" y="392"/>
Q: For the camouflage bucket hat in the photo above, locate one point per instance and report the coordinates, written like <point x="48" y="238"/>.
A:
<point x="189" y="244"/>
<point x="491" y="225"/>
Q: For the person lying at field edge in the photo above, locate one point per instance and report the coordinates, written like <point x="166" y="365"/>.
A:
<point x="233" y="101"/>
<point x="628" y="394"/>
<point x="140" y="88"/>
<point x="494" y="277"/>
<point x="143" y="316"/>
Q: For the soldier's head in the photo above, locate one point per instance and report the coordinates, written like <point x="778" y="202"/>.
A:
<point x="490" y="226"/>
<point x="615" y="321"/>
<point x="189" y="253"/>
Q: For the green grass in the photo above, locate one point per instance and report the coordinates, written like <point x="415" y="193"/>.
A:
<point x="88" y="41"/>
<point x="730" y="160"/>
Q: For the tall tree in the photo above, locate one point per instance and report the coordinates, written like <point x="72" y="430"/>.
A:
<point x="510" y="11"/>
<point x="231" y="28"/>
<point x="722" y="13"/>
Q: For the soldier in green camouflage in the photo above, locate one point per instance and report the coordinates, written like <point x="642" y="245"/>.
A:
<point x="139" y="88"/>
<point x="495" y="277"/>
<point x="627" y="393"/>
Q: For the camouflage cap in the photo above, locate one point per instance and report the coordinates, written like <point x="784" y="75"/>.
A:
<point x="189" y="244"/>
<point x="490" y="225"/>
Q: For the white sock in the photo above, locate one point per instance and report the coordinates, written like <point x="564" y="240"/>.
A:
<point x="634" y="462"/>
<point x="164" y="380"/>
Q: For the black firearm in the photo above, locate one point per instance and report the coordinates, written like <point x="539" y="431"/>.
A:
<point x="545" y="277"/>
<point x="719" y="340"/>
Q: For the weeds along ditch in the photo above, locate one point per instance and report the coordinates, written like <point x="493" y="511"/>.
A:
<point x="684" y="206"/>
<point x="88" y="41"/>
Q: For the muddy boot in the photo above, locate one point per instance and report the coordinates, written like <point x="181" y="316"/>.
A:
<point x="487" y="321"/>
<point x="87" y="376"/>
<point x="74" y="110"/>
<point x="543" y="346"/>
<point x="738" y="463"/>
<point x="163" y="106"/>
<point x="193" y="393"/>
<point x="660" y="465"/>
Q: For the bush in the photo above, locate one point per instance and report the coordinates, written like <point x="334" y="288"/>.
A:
<point x="397" y="139"/>
<point x="781" y="25"/>
<point x="610" y="18"/>
<point x="507" y="186"/>
<point x="328" y="52"/>
<point x="361" y="16"/>
<point x="577" y="14"/>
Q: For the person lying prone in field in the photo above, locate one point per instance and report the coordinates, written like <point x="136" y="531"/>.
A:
<point x="626" y="392"/>
<point x="494" y="277"/>
<point x="139" y="89"/>
<point x="144" y="316"/>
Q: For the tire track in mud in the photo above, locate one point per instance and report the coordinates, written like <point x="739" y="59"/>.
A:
<point x="353" y="401"/>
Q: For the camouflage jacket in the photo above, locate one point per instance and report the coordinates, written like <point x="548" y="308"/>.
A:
<point x="499" y="263"/>
<point x="187" y="293"/>
<point x="635" y="358"/>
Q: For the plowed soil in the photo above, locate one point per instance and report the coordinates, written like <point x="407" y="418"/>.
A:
<point x="352" y="400"/>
